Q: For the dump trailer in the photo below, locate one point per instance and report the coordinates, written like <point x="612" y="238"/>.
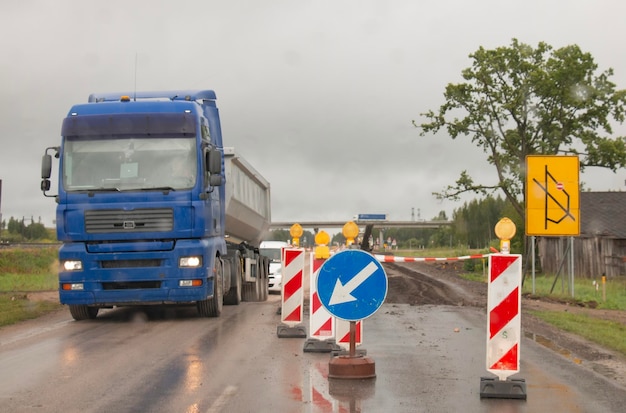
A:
<point x="152" y="209"/>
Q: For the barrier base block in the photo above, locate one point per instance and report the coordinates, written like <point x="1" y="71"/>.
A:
<point x="360" y="352"/>
<point x="285" y="331"/>
<point x="313" y="345"/>
<point x="494" y="388"/>
<point x="346" y="367"/>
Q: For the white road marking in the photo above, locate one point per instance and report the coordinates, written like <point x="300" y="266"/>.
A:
<point x="221" y="401"/>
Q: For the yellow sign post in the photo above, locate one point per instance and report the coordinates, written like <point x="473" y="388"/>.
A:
<point x="505" y="231"/>
<point x="350" y="231"/>
<point x="552" y="195"/>
<point x="296" y="232"/>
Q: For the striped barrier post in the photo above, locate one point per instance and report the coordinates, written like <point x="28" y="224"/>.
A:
<point x="321" y="322"/>
<point x="292" y="295"/>
<point x="504" y="298"/>
<point x="342" y="335"/>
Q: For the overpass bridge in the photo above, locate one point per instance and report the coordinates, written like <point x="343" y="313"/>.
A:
<point x="378" y="224"/>
<point x="368" y="224"/>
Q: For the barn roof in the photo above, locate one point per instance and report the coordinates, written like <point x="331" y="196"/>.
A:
<point x="602" y="214"/>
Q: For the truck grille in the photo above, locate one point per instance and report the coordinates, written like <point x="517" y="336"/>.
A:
<point x="130" y="285"/>
<point x="138" y="220"/>
<point x="131" y="263"/>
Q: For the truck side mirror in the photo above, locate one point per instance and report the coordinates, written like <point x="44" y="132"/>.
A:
<point x="46" y="166"/>
<point x="46" y="169"/>
<point x="214" y="162"/>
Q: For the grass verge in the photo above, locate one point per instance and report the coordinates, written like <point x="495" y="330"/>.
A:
<point x="609" y="334"/>
<point x="23" y="271"/>
<point x="610" y="295"/>
<point x="16" y="307"/>
<point x="28" y="282"/>
<point x="594" y="294"/>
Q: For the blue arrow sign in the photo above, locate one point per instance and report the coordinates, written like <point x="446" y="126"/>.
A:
<point x="352" y="285"/>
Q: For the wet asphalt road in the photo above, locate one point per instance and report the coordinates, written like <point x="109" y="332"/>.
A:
<point x="172" y="361"/>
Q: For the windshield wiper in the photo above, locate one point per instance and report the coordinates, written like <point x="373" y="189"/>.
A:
<point x="91" y="191"/>
<point x="165" y="189"/>
<point x="158" y="188"/>
<point x="112" y="189"/>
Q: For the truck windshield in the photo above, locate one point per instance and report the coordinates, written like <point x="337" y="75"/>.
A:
<point x="126" y="164"/>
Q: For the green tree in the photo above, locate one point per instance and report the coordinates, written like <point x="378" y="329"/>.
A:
<point x="518" y="101"/>
<point x="36" y="230"/>
<point x="33" y="231"/>
<point x="16" y="227"/>
<point x="474" y="223"/>
<point x="278" y="235"/>
<point x="338" y="239"/>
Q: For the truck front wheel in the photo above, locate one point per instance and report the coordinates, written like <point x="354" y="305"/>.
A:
<point x="83" y="312"/>
<point x="212" y="307"/>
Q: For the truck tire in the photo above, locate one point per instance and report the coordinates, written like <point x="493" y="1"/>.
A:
<point x="250" y="291"/>
<point x="212" y="307"/>
<point x="83" y="312"/>
<point x="233" y="297"/>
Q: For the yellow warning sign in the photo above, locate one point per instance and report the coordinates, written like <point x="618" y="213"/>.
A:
<point x="552" y="195"/>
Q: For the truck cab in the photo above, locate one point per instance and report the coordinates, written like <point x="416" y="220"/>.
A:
<point x="141" y="206"/>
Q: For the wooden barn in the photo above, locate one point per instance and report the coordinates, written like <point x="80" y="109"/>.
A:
<point x="601" y="246"/>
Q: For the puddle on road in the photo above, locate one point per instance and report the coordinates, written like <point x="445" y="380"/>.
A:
<point x="612" y="369"/>
<point x="553" y="346"/>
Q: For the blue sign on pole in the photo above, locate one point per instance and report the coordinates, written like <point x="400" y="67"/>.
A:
<point x="352" y="285"/>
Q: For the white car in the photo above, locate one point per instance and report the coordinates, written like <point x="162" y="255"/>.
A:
<point x="273" y="250"/>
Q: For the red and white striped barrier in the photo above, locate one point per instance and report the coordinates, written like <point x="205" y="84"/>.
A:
<point x="392" y="258"/>
<point x="342" y="328"/>
<point x="504" y="295"/>
<point x="321" y="322"/>
<point x="292" y="294"/>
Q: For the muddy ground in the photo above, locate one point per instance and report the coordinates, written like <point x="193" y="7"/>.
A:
<point x="439" y="283"/>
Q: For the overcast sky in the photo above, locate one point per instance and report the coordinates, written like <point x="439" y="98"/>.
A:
<point x="318" y="95"/>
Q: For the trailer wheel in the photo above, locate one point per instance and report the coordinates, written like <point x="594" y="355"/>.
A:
<point x="233" y="297"/>
<point x="83" y="312"/>
<point x="212" y="307"/>
<point x="251" y="291"/>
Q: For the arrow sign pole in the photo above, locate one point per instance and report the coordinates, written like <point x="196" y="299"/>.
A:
<point x="343" y="293"/>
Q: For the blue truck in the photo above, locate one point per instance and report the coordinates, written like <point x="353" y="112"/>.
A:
<point x="152" y="209"/>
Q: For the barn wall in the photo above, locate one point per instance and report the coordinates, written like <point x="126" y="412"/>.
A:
<point x="592" y="256"/>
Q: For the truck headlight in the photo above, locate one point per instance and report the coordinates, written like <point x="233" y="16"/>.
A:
<point x="190" y="262"/>
<point x="73" y="265"/>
